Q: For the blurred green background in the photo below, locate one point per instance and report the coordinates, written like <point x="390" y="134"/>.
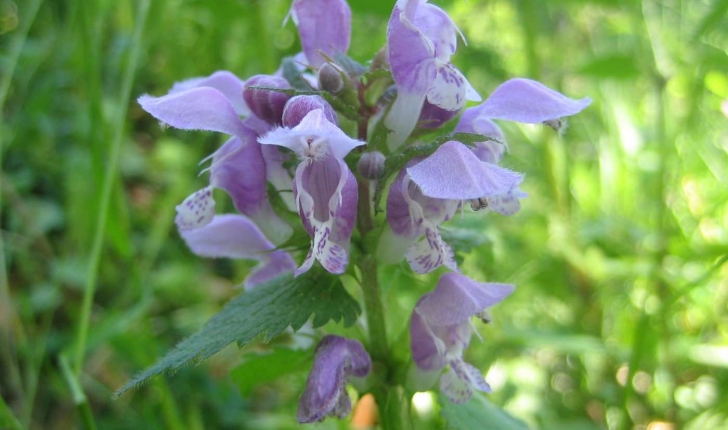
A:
<point x="620" y="316"/>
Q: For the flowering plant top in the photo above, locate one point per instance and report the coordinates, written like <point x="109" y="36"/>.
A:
<point x="308" y="218"/>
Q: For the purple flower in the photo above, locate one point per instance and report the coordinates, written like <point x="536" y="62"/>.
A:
<point x="429" y="192"/>
<point x="238" y="167"/>
<point x="235" y="236"/>
<point x="323" y="25"/>
<point x="507" y="203"/>
<point x="337" y="359"/>
<point x="472" y="122"/>
<point x="521" y="100"/>
<point x="421" y="39"/>
<point x="324" y="188"/>
<point x="440" y="329"/>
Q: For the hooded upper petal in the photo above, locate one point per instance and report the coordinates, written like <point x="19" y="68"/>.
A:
<point x="237" y="237"/>
<point x="323" y="25"/>
<point x="226" y="82"/>
<point x="200" y="108"/>
<point x="312" y="136"/>
<point x="525" y="100"/>
<point x="337" y="358"/>
<point x="455" y="172"/>
<point x="457" y="298"/>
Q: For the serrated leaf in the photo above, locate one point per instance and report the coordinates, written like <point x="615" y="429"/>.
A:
<point x="267" y="367"/>
<point x="396" y="162"/>
<point x="267" y="309"/>
<point x="478" y="413"/>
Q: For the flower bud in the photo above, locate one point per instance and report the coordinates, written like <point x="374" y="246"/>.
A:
<point x="432" y="117"/>
<point x="330" y="79"/>
<point x="371" y="165"/>
<point x="299" y="106"/>
<point x="267" y="105"/>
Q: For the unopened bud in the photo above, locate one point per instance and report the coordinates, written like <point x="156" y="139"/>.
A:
<point x="330" y="79"/>
<point x="371" y="165"/>
<point x="299" y="106"/>
<point x="267" y="105"/>
<point x="432" y="117"/>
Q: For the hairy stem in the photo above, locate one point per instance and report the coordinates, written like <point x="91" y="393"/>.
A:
<point x="378" y="345"/>
<point x="387" y="394"/>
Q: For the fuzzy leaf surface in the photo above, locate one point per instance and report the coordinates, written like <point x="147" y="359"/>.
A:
<point x="267" y="309"/>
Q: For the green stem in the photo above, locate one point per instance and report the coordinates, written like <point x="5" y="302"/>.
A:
<point x="379" y="348"/>
<point x="387" y="393"/>
<point x="108" y="186"/>
<point x="79" y="397"/>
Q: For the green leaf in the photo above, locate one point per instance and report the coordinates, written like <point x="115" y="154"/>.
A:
<point x="267" y="367"/>
<point x="267" y="309"/>
<point x="478" y="413"/>
<point x="396" y="162"/>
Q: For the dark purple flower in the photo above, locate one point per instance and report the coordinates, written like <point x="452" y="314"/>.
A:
<point x="427" y="193"/>
<point x="235" y="236"/>
<point x="440" y="329"/>
<point x="323" y="25"/>
<point x="421" y="38"/>
<point x="324" y="188"/>
<point x="337" y="359"/>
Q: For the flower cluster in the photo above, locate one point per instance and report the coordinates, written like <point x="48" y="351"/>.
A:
<point x="296" y="145"/>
